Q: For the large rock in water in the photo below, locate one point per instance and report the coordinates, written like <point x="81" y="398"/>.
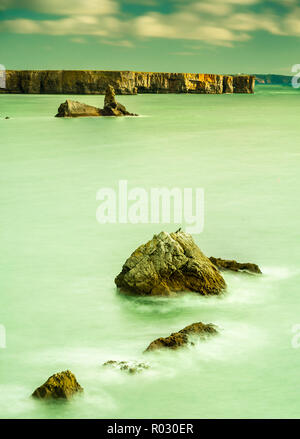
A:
<point x="181" y="338"/>
<point x="61" y="385"/>
<point x="71" y="108"/>
<point x="167" y="263"/>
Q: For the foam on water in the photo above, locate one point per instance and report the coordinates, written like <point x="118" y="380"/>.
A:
<point x="60" y="307"/>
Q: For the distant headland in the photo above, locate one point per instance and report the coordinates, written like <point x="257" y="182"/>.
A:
<point x="124" y="82"/>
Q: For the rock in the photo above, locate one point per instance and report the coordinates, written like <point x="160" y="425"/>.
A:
<point x="169" y="263"/>
<point x="7" y="117"/>
<point x="131" y="367"/>
<point x="181" y="338"/>
<point x="77" y="109"/>
<point x="110" y="97"/>
<point x="224" y="264"/>
<point x="124" y="82"/>
<point x="243" y="84"/>
<point x="111" y="106"/>
<point x="227" y="84"/>
<point x="61" y="385"/>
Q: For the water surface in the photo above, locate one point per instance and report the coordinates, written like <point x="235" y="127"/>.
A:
<point x="59" y="304"/>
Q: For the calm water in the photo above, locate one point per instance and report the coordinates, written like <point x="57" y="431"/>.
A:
<point x="59" y="304"/>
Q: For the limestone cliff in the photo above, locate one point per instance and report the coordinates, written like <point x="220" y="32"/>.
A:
<point x="124" y="82"/>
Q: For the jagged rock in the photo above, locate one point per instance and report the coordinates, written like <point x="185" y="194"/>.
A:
<point x="169" y="263"/>
<point x="243" y="84"/>
<point x="131" y="367"/>
<point x="224" y="264"/>
<point x="181" y="338"/>
<point x="77" y="109"/>
<point x="111" y="106"/>
<point x="227" y="84"/>
<point x="62" y="385"/>
<point x="110" y="97"/>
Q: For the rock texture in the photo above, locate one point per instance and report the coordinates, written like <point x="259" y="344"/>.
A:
<point x="228" y="84"/>
<point x="168" y="263"/>
<point x="131" y="367"/>
<point x="124" y="82"/>
<point x="181" y="338"/>
<point x="61" y="385"/>
<point x="243" y="84"/>
<point x="71" y="108"/>
<point x="77" y="109"/>
<point x="224" y="264"/>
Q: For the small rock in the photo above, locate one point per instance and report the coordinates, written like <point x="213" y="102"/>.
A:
<point x="127" y="366"/>
<point x="62" y="385"/>
<point x="181" y="338"/>
<point x="224" y="264"/>
<point x="169" y="263"/>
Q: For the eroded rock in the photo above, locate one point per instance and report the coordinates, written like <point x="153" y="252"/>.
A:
<point x="224" y="264"/>
<point x="78" y="109"/>
<point x="169" y="263"/>
<point x="131" y="367"/>
<point x="181" y="338"/>
<point x="62" y="385"/>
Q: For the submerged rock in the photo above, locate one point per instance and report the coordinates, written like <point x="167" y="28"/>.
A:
<point x="181" y="338"/>
<point x="78" y="109"/>
<point x="62" y="385"/>
<point x="224" y="264"/>
<point x="169" y="263"/>
<point x="131" y="367"/>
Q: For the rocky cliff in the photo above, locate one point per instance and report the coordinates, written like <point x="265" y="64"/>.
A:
<point x="273" y="79"/>
<point x="124" y="82"/>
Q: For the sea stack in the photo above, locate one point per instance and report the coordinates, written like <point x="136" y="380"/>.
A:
<point x="71" y="108"/>
<point x="169" y="263"/>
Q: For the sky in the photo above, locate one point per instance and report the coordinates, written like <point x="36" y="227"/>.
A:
<point x="206" y="36"/>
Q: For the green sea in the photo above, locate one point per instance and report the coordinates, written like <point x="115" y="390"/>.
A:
<point x="59" y="305"/>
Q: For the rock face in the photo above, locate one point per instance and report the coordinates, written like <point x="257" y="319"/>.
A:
<point x="169" y="263"/>
<point x="224" y="264"/>
<point x="111" y="106"/>
<point x="77" y="109"/>
<point x="228" y="84"/>
<point x="131" y="367"/>
<point x="181" y="338"/>
<point x="243" y="84"/>
<point x="61" y="385"/>
<point x="124" y="82"/>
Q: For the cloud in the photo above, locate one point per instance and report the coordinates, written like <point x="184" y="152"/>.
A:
<point x="219" y="23"/>
<point x="64" y="7"/>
